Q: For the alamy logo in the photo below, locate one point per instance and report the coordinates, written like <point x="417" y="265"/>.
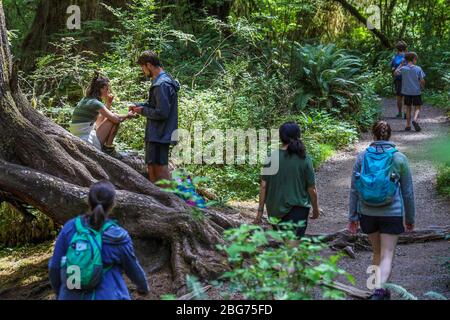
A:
<point x="230" y="147"/>
<point x="74" y="278"/>
<point x="374" y="19"/>
<point x="374" y="280"/>
<point x="74" y="20"/>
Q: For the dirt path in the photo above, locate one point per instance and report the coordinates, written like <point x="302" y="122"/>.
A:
<point x="333" y="178"/>
<point x="419" y="268"/>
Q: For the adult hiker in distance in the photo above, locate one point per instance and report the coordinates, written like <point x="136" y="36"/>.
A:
<point x="92" y="251"/>
<point x="290" y="193"/>
<point x="161" y="112"/>
<point x="382" y="200"/>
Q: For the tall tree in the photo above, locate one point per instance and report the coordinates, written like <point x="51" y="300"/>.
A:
<point x="50" y="22"/>
<point x="43" y="165"/>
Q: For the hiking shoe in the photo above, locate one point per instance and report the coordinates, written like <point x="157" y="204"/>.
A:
<point x="111" y="151"/>
<point x="408" y="129"/>
<point x="381" y="294"/>
<point x="416" y="126"/>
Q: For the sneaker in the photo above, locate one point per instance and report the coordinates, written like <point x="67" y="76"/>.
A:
<point x="111" y="151"/>
<point x="416" y="126"/>
<point x="381" y="294"/>
<point x="408" y="129"/>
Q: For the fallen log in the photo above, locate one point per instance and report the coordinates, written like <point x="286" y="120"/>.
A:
<point x="344" y="240"/>
<point x="351" y="291"/>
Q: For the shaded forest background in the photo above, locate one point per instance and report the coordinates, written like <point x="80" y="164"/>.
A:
<point x="242" y="64"/>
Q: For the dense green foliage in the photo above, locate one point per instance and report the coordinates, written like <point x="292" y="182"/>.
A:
<point x="254" y="65"/>
<point x="273" y="264"/>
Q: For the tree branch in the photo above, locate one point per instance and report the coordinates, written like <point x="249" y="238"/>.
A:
<point x="355" y="13"/>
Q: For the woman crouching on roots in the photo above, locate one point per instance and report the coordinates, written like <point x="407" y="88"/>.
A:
<point x="93" y="121"/>
<point x="382" y="201"/>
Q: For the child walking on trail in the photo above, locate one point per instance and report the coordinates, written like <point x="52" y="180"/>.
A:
<point x="290" y="193"/>
<point x="413" y="82"/>
<point x="396" y="62"/>
<point x="92" y="251"/>
<point x="382" y="201"/>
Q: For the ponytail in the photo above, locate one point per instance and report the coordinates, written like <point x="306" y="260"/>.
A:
<point x="290" y="134"/>
<point x="101" y="200"/>
<point x="382" y="131"/>
<point x="97" y="217"/>
<point x="296" y="146"/>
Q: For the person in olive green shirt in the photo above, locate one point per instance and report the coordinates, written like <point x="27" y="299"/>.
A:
<point x="291" y="192"/>
<point x="92" y="120"/>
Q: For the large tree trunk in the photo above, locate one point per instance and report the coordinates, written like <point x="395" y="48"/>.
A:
<point x="50" y="22"/>
<point x="43" y="165"/>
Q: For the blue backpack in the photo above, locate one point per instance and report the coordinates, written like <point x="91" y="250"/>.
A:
<point x="377" y="184"/>
<point x="397" y="61"/>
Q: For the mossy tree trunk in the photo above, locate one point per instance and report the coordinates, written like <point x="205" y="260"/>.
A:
<point x="43" y="165"/>
<point x="50" y="23"/>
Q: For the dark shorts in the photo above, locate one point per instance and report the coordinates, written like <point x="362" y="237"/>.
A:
<point x="296" y="215"/>
<point x="413" y="101"/>
<point x="398" y="87"/>
<point x="157" y="153"/>
<point x="385" y="225"/>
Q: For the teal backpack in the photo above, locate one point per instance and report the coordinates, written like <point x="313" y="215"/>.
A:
<point x="377" y="183"/>
<point x="84" y="257"/>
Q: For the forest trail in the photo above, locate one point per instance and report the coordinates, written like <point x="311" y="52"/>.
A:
<point x="333" y="177"/>
<point x="419" y="268"/>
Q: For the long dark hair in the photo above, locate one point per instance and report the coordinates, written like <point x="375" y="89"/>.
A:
<point x="290" y="135"/>
<point x="382" y="131"/>
<point x="97" y="84"/>
<point x="102" y="196"/>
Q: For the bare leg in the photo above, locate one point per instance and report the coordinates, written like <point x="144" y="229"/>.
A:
<point x="376" y="248"/>
<point x="388" y="245"/>
<point x="408" y="116"/>
<point x="151" y="173"/>
<point x="162" y="173"/>
<point x="112" y="135"/>
<point x="417" y="113"/>
<point x="400" y="104"/>
<point x="106" y="132"/>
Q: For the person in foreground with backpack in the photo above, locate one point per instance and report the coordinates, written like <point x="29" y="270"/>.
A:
<point x="381" y="200"/>
<point x="91" y="252"/>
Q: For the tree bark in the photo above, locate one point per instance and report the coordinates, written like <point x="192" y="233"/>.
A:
<point x="355" y="13"/>
<point x="43" y="165"/>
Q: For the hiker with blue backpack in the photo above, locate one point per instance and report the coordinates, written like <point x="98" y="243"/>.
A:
<point x="413" y="82"/>
<point x="92" y="251"/>
<point x="382" y="200"/>
<point x="397" y="61"/>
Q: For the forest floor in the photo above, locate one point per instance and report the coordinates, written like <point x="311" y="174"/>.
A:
<point x="419" y="268"/>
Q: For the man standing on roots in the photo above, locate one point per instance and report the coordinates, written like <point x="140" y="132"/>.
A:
<point x="161" y="112"/>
